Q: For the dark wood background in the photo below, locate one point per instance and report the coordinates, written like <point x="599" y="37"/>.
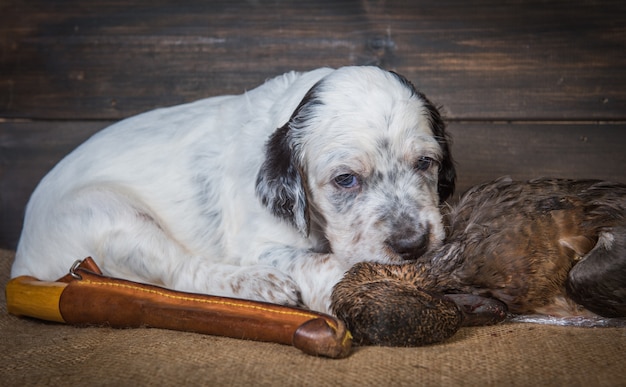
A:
<point x="529" y="88"/>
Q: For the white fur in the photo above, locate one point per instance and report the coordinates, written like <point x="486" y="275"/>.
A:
<point x="168" y="197"/>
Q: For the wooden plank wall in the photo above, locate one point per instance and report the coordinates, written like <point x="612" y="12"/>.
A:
<point x="529" y="88"/>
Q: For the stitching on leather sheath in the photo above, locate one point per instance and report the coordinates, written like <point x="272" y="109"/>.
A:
<point x="201" y="300"/>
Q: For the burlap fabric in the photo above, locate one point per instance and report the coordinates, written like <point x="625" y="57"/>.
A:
<point x="40" y="353"/>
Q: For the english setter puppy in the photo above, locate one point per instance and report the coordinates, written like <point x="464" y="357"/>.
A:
<point x="270" y="195"/>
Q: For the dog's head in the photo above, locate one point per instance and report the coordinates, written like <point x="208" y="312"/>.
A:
<point x="363" y="164"/>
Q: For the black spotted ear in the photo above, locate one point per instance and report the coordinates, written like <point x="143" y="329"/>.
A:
<point x="279" y="184"/>
<point x="447" y="170"/>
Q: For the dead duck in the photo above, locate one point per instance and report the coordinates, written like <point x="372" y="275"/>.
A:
<point x="555" y="247"/>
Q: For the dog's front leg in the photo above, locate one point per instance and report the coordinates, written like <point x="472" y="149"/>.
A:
<point x="315" y="273"/>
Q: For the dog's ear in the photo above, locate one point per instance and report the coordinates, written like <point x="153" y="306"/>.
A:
<point x="279" y="184"/>
<point x="447" y="171"/>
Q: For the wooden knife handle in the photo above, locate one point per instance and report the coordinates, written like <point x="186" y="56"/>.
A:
<point x="27" y="296"/>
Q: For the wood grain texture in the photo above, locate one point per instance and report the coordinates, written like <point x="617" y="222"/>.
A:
<point x="485" y="151"/>
<point x="530" y="88"/>
<point x="481" y="59"/>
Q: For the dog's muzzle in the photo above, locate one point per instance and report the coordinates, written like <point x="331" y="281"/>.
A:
<point x="409" y="244"/>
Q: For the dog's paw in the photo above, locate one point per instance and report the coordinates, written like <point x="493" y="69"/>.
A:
<point x="265" y="284"/>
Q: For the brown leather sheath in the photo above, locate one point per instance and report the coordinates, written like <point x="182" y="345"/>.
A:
<point x="93" y="299"/>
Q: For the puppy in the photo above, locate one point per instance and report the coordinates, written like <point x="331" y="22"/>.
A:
<point x="271" y="195"/>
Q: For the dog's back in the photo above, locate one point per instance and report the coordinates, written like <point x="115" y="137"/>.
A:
<point x="134" y="158"/>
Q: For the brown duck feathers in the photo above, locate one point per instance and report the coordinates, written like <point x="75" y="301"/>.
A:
<point x="548" y="246"/>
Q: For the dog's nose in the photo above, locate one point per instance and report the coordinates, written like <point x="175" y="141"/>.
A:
<point x="409" y="245"/>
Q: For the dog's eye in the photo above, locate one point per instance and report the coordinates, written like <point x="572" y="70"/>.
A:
<point x="347" y="180"/>
<point x="424" y="163"/>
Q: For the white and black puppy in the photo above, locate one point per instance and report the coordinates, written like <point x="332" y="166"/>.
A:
<point x="270" y="195"/>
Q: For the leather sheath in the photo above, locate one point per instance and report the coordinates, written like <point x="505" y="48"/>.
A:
<point x="93" y="299"/>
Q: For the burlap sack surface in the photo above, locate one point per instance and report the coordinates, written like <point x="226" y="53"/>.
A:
<point x="41" y="353"/>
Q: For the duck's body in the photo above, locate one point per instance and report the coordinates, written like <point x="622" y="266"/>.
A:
<point x="549" y="246"/>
